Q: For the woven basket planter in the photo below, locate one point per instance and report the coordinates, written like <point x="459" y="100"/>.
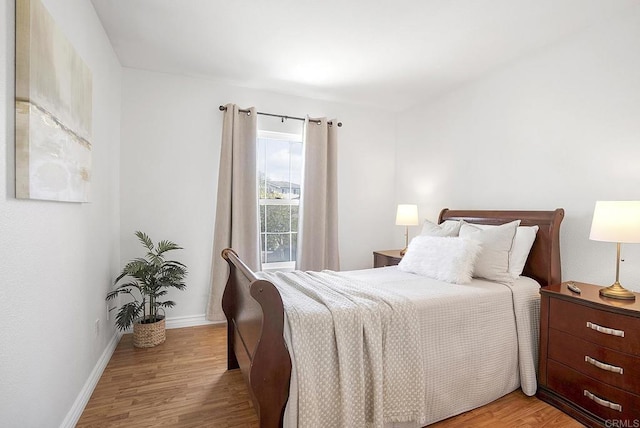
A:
<point x="149" y="335"/>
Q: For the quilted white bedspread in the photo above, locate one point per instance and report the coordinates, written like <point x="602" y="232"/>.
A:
<point x="474" y="342"/>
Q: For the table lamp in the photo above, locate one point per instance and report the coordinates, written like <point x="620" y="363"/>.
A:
<point x="616" y="221"/>
<point x="407" y="215"/>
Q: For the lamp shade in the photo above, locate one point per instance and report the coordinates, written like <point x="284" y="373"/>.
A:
<point x="407" y="215"/>
<point x="616" y="221"/>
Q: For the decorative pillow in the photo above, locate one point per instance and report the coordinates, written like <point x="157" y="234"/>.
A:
<point x="525" y="236"/>
<point x="447" y="228"/>
<point x="449" y="259"/>
<point x="496" y="242"/>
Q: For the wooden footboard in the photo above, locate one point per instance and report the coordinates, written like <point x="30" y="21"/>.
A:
<point x="255" y="344"/>
<point x="255" y="314"/>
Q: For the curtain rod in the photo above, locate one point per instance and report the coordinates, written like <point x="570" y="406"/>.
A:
<point x="223" y="108"/>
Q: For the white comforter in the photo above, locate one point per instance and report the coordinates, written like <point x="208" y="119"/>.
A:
<point x="475" y="343"/>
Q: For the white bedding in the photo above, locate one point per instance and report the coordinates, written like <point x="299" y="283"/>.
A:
<point x="477" y="341"/>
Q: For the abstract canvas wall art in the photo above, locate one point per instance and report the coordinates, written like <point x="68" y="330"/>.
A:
<point x="53" y="110"/>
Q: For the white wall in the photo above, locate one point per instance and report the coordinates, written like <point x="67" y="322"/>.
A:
<point x="57" y="259"/>
<point x="559" y="128"/>
<point x="171" y="129"/>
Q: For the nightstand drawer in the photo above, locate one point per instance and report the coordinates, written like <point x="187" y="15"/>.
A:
<point x="614" y="331"/>
<point x="592" y="395"/>
<point x="603" y="364"/>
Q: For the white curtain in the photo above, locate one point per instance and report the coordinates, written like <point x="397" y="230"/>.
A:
<point x="236" y="223"/>
<point x="318" y="228"/>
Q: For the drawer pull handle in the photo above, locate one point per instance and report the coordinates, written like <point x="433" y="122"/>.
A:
<point x="605" y="330"/>
<point x="603" y="366"/>
<point x="603" y="403"/>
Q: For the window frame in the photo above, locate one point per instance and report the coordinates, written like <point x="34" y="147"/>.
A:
<point x="265" y="202"/>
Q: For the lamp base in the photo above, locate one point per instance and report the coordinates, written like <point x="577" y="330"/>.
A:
<point x="617" y="291"/>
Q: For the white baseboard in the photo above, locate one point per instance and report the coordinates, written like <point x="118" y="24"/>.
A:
<point x="85" y="393"/>
<point x="189" y="321"/>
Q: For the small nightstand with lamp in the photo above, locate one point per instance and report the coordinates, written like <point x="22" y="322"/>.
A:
<point x="589" y="350"/>
<point x="406" y="215"/>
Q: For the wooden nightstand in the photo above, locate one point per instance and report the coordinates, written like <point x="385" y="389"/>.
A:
<point x="590" y="355"/>
<point x="386" y="258"/>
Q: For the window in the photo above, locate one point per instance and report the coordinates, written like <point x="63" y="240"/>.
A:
<point x="280" y="177"/>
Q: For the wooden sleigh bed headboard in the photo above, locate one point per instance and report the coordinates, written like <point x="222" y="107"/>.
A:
<point x="255" y="314"/>
<point x="543" y="263"/>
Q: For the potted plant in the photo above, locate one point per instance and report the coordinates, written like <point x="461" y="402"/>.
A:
<point x="150" y="276"/>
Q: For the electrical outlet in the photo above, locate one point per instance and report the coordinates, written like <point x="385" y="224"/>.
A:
<point x="97" y="326"/>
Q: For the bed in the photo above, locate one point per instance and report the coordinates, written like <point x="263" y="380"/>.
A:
<point x="257" y="326"/>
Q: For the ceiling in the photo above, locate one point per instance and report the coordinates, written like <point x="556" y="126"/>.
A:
<point x="388" y="54"/>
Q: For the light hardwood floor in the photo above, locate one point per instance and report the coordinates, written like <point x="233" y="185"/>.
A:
<point x="184" y="383"/>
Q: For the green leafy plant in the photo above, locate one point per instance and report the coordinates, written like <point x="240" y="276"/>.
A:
<point x="151" y="276"/>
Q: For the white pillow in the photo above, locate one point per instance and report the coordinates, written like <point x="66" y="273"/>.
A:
<point x="447" y="228"/>
<point x="493" y="261"/>
<point x="525" y="236"/>
<point x="449" y="259"/>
